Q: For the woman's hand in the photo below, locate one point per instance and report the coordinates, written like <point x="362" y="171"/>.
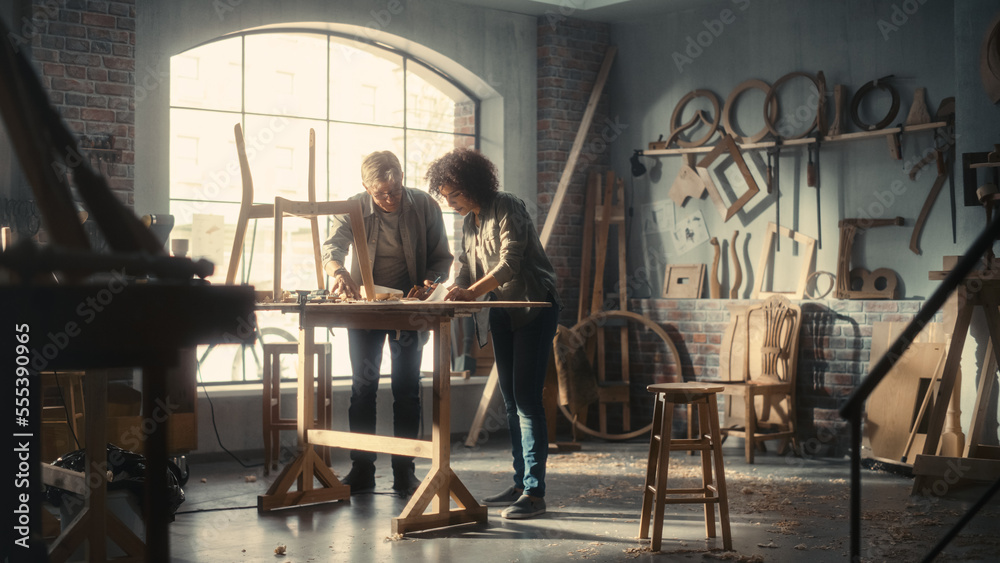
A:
<point x="456" y="293"/>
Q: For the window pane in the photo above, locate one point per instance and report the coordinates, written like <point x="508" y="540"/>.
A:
<point x="209" y="228"/>
<point x="423" y="148"/>
<point x="433" y="102"/>
<point x="287" y="75"/>
<point x="366" y="83"/>
<point x="203" y="161"/>
<point x="208" y="77"/>
<point x="278" y="153"/>
<point x="349" y="144"/>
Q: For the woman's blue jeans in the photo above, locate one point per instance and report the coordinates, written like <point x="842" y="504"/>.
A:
<point x="522" y="357"/>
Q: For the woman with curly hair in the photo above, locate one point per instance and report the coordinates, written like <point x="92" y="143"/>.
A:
<point x="503" y="260"/>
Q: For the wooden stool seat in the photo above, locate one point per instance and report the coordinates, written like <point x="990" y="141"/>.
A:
<point x="712" y="492"/>
<point x="273" y="422"/>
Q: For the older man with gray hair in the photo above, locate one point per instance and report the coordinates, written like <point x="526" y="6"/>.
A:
<point x="408" y="247"/>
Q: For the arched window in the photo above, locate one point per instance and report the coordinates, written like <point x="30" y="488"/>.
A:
<point x="358" y="96"/>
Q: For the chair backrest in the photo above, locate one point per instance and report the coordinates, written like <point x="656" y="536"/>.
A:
<point x="772" y="337"/>
<point x="250" y="210"/>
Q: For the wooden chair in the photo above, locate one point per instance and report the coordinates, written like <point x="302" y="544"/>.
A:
<point x="250" y="210"/>
<point x="273" y="422"/>
<point x="760" y="384"/>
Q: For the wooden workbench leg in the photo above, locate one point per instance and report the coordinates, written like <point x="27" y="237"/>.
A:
<point x="305" y="405"/>
<point x="154" y="390"/>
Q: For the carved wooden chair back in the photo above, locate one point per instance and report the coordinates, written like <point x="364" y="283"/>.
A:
<point x="772" y="337"/>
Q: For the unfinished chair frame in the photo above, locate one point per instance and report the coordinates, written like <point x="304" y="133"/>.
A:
<point x="768" y="396"/>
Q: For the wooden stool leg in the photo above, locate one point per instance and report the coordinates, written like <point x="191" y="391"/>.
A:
<point x="324" y="398"/>
<point x="266" y="412"/>
<point x="751" y="425"/>
<point x="275" y="405"/>
<point x="706" y="465"/>
<point x="720" y="471"/>
<point x="662" y="463"/>
<point x="655" y="443"/>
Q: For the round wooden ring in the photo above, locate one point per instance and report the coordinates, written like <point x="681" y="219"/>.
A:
<point x="773" y="94"/>
<point x="814" y="276"/>
<point x="629" y="315"/>
<point x="680" y="106"/>
<point x="743" y="87"/>
<point x="864" y="91"/>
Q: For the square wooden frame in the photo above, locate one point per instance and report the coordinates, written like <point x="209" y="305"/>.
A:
<point x="727" y="144"/>
<point x="765" y="253"/>
<point x="674" y="290"/>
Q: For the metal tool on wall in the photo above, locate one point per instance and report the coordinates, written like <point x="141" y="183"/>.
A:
<point x="812" y="180"/>
<point x="773" y="182"/>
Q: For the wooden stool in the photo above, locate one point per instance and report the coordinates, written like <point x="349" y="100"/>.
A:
<point x="273" y="423"/>
<point x="655" y="491"/>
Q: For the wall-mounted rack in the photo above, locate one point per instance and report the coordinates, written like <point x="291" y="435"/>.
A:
<point x="807" y="140"/>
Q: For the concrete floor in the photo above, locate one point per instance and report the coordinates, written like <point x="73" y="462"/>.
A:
<point x="782" y="509"/>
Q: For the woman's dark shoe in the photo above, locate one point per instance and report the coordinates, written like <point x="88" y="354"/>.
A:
<point x="505" y="498"/>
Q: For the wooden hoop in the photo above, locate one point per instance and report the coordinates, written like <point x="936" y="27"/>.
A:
<point x="658" y="330"/>
<point x="743" y="87"/>
<point x="774" y="92"/>
<point x="680" y="106"/>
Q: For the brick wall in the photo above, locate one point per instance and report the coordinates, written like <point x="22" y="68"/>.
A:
<point x="570" y="53"/>
<point x="84" y="52"/>
<point x="834" y="344"/>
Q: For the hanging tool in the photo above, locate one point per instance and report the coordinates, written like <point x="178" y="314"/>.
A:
<point x="773" y="180"/>
<point x="946" y="143"/>
<point x="918" y="227"/>
<point x="812" y="180"/>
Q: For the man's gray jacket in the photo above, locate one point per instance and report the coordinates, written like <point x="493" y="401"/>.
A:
<point x="421" y="226"/>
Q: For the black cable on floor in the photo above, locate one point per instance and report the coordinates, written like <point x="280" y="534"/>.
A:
<point x="215" y="426"/>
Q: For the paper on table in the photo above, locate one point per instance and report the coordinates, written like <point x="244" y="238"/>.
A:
<point x="438" y="294"/>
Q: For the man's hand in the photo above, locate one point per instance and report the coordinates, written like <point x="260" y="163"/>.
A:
<point x="456" y="293"/>
<point x="424" y="291"/>
<point x="344" y="284"/>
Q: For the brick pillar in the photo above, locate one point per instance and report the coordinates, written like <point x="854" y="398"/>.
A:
<point x="85" y="54"/>
<point x="570" y="53"/>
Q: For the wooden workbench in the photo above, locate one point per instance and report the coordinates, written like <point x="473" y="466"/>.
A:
<point x="441" y="484"/>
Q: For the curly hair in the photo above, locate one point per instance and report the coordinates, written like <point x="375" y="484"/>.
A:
<point x="465" y="169"/>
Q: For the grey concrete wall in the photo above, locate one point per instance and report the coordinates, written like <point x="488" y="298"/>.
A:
<point x="491" y="53"/>
<point x="853" y="42"/>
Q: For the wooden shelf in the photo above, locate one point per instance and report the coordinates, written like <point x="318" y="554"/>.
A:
<point x="810" y="140"/>
<point x="985" y="165"/>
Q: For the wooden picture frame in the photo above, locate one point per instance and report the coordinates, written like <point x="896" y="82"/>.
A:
<point x="683" y="281"/>
<point x="805" y="270"/>
<point x="727" y="144"/>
